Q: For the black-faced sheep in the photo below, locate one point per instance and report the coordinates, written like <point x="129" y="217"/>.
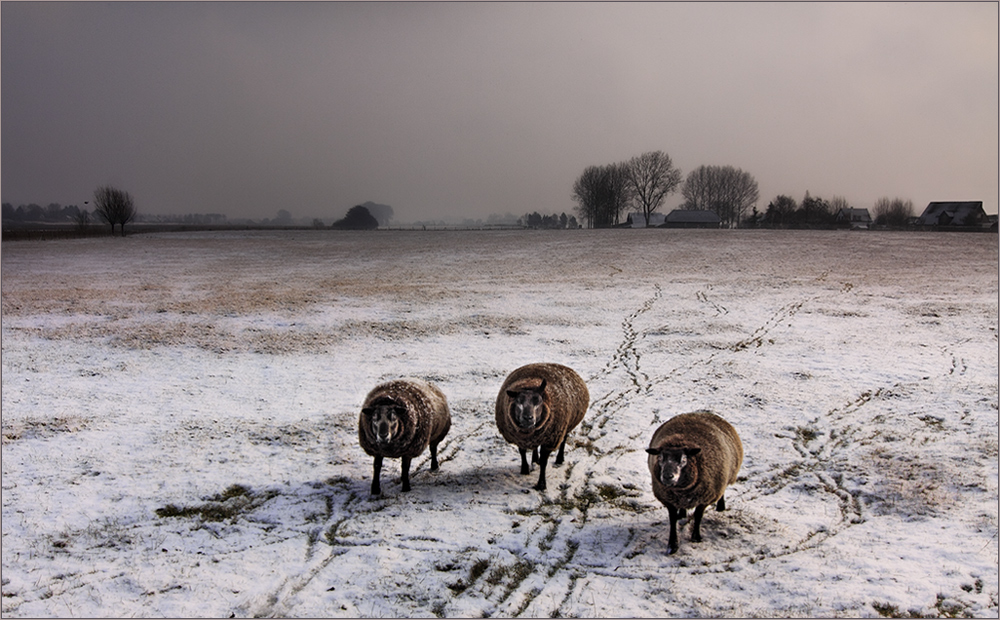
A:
<point x="693" y="458"/>
<point x="399" y="419"/>
<point x="538" y="405"/>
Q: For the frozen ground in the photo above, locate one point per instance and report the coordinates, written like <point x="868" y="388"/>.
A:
<point x="180" y="411"/>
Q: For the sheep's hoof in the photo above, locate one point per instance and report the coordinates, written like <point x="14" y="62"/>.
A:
<point x="540" y="486"/>
<point x="671" y="550"/>
<point x="696" y="538"/>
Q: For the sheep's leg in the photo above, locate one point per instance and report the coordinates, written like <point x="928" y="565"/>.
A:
<point x="562" y="449"/>
<point x="721" y="505"/>
<point x="674" y="518"/>
<point x="696" y="531"/>
<point x="406" y="474"/>
<point x="376" y="488"/>
<point x="534" y="455"/>
<point x="434" y="457"/>
<point x="543" y="461"/>
<point x="525" y="468"/>
<point x="681" y="513"/>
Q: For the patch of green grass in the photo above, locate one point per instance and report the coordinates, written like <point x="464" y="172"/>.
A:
<point x="887" y="610"/>
<point x="514" y="574"/>
<point x="806" y="433"/>
<point x="475" y="572"/>
<point x="546" y="542"/>
<point x="951" y="608"/>
<point x="234" y="501"/>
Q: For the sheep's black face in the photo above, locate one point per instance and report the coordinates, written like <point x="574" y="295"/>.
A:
<point x="386" y="421"/>
<point x="527" y="407"/>
<point x="671" y="462"/>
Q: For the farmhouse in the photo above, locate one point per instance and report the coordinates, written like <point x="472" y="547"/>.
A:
<point x="637" y="220"/>
<point x="953" y="214"/>
<point x="692" y="218"/>
<point x="854" y="218"/>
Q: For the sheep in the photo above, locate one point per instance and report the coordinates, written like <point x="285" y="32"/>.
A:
<point x="538" y="405"/>
<point x="693" y="457"/>
<point x="399" y="419"/>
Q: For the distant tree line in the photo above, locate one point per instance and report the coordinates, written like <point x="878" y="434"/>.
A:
<point x="815" y="212"/>
<point x="53" y="213"/>
<point x="110" y="205"/>
<point x="537" y="220"/>
<point x="605" y="194"/>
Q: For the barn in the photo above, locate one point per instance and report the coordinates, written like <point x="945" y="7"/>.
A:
<point x="692" y="218"/>
<point x="967" y="214"/>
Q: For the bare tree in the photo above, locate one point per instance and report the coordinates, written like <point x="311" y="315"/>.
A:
<point x="727" y="191"/>
<point x="894" y="212"/>
<point x="114" y="206"/>
<point x="651" y="177"/>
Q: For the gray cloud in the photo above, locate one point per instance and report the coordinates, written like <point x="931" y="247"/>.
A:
<point x="468" y="109"/>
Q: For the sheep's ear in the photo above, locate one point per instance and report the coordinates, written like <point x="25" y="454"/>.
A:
<point x="691" y="451"/>
<point x="541" y="388"/>
<point x="367" y="411"/>
<point x="653" y="451"/>
<point x="512" y="393"/>
<point x="399" y="410"/>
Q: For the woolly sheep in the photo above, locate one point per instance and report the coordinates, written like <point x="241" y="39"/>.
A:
<point x="399" y="419"/>
<point x="538" y="405"/>
<point x="693" y="457"/>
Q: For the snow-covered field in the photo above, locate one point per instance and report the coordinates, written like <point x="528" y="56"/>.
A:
<point x="180" y="423"/>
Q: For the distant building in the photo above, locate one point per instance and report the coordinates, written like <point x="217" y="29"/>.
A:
<point x="692" y="218"/>
<point x="854" y="218"/>
<point x="638" y="220"/>
<point x="954" y="214"/>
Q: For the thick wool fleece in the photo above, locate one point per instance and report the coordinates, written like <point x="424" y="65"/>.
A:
<point x="426" y="422"/>
<point x="566" y="399"/>
<point x="712" y="470"/>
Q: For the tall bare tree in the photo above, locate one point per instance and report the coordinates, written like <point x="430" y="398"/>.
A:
<point x="114" y="206"/>
<point x="651" y="177"/>
<point x="727" y="191"/>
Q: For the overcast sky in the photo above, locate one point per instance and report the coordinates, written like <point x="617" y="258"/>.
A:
<point x="455" y="109"/>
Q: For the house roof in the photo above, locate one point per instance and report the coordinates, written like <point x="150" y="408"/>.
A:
<point x="693" y="215"/>
<point x="854" y="215"/>
<point x="954" y="212"/>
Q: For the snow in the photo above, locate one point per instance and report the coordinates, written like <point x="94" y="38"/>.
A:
<point x="180" y="423"/>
